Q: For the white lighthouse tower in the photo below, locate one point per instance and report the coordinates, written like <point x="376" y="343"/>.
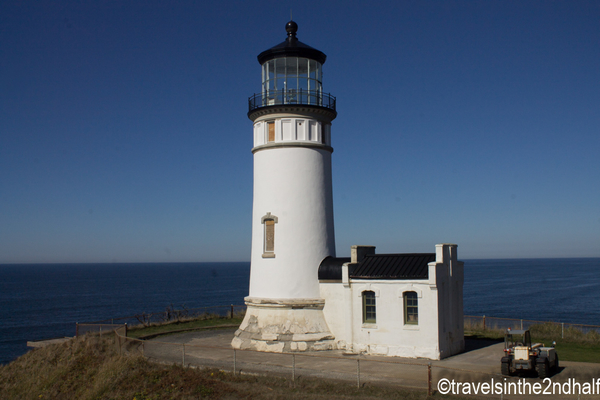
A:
<point x="292" y="216"/>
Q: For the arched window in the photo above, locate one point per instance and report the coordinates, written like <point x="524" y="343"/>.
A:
<point x="411" y="308"/>
<point x="269" y="222"/>
<point x="369" y="307"/>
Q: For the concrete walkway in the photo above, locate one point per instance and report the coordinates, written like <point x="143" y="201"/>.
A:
<point x="479" y="364"/>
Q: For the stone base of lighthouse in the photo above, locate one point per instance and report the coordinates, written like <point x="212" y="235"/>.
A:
<point x="283" y="325"/>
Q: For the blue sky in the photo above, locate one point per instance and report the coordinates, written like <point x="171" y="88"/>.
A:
<point x="124" y="135"/>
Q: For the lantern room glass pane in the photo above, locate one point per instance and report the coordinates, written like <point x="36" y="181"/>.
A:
<point x="303" y="67"/>
<point x="313" y="69"/>
<point x="279" y="68"/>
<point x="291" y="64"/>
<point x="303" y="84"/>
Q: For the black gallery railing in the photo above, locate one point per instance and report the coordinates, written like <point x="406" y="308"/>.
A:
<point x="291" y="96"/>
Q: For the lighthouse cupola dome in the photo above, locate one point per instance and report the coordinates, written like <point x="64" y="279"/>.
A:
<point x="292" y="47"/>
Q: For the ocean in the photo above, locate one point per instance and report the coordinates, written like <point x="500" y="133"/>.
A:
<point x="40" y="301"/>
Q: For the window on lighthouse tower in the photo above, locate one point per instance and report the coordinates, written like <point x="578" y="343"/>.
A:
<point x="269" y="222"/>
<point x="269" y="236"/>
<point x="271" y="133"/>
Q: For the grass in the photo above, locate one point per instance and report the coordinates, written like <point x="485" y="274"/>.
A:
<point x="575" y="346"/>
<point x="89" y="367"/>
<point x="201" y="322"/>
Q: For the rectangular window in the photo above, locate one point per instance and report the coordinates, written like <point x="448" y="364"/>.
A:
<point x="271" y="128"/>
<point x="269" y="236"/>
<point x="269" y="222"/>
<point x="411" y="308"/>
<point x="369" y="307"/>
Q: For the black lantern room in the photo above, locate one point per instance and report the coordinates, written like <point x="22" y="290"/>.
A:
<point x="292" y="74"/>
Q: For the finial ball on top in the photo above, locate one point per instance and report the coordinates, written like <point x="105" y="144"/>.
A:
<point x="291" y="28"/>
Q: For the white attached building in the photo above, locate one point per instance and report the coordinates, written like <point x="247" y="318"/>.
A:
<point x="407" y="305"/>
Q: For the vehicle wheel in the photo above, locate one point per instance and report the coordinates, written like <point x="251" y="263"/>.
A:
<point x="542" y="369"/>
<point x="556" y="363"/>
<point x="505" y="368"/>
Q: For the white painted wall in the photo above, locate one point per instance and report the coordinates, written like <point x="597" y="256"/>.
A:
<point x="293" y="184"/>
<point x="389" y="335"/>
<point x="450" y="279"/>
<point x="338" y="311"/>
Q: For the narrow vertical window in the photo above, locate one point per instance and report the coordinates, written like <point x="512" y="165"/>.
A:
<point x="271" y="126"/>
<point x="269" y="222"/>
<point x="411" y="308"/>
<point x="269" y="236"/>
<point x="369" y="307"/>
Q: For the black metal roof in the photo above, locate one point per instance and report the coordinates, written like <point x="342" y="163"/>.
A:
<point x="291" y="47"/>
<point x="393" y="266"/>
<point x="379" y="266"/>
<point x="331" y="268"/>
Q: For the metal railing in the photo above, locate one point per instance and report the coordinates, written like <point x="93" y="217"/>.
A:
<point x="172" y="314"/>
<point x="84" y="328"/>
<point x="291" y="97"/>
<point x="484" y="322"/>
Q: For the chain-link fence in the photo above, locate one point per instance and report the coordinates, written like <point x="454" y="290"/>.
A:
<point x="472" y="322"/>
<point x="171" y="314"/>
<point x="82" y="329"/>
<point x="484" y="323"/>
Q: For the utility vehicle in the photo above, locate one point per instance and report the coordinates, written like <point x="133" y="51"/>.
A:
<point x="521" y="355"/>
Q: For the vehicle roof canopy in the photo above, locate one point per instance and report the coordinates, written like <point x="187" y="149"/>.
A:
<point x="516" y="331"/>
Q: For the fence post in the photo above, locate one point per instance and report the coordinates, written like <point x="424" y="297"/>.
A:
<point x="484" y="322"/>
<point x="125" y="329"/>
<point x="294" y="370"/>
<point x="358" y="373"/>
<point x="234" y="361"/>
<point x="183" y="355"/>
<point x="231" y="315"/>
<point x="562" y="335"/>
<point x="429" y="393"/>
<point x="521" y="324"/>
<point x="76" y="329"/>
